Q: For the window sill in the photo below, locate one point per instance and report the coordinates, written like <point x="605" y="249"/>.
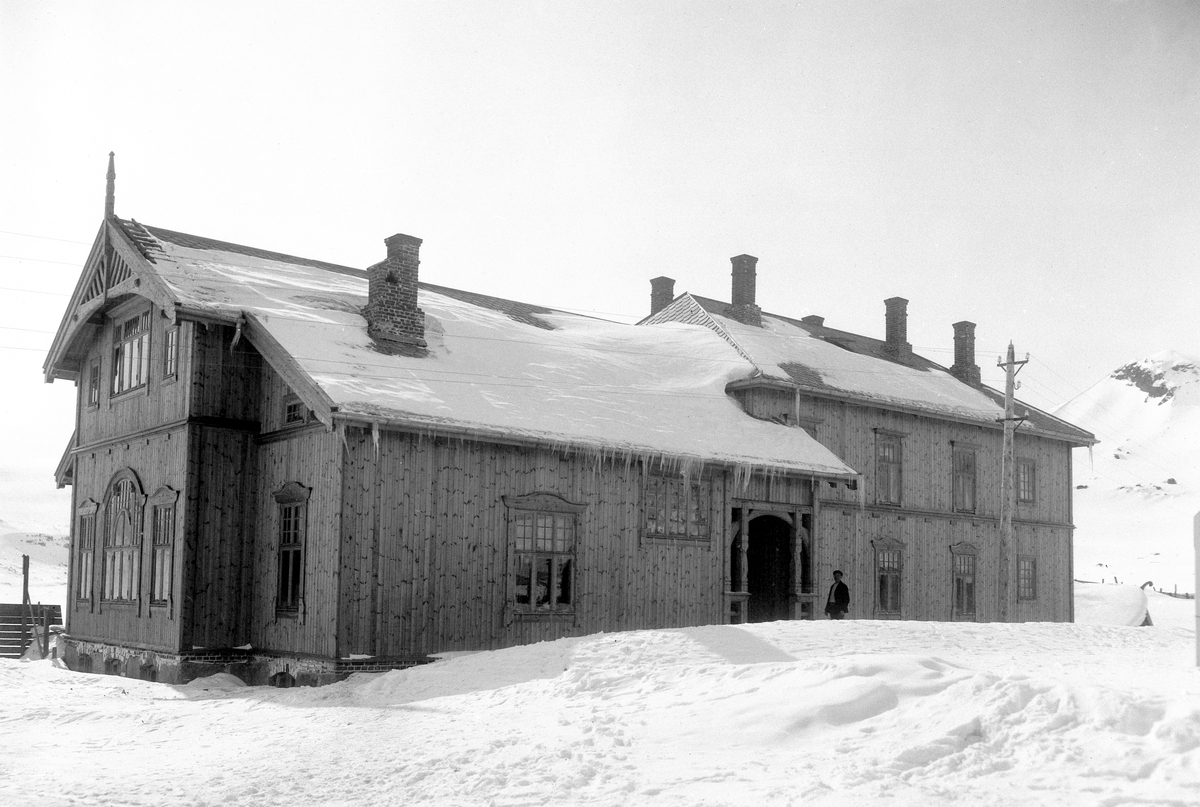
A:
<point x="120" y="603"/>
<point x="129" y="393"/>
<point x="560" y="616"/>
<point x="702" y="542"/>
<point x="287" y="614"/>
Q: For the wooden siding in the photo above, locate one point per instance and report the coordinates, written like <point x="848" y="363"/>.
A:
<point x="426" y="565"/>
<point x="312" y="458"/>
<point x="219" y="501"/>
<point x="925" y="521"/>
<point x="226" y="379"/>
<point x="849" y="431"/>
<point x="847" y="538"/>
<point x="161" y="400"/>
<point x="157" y="460"/>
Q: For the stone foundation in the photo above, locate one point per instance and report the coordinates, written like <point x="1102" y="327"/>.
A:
<point x="254" y="667"/>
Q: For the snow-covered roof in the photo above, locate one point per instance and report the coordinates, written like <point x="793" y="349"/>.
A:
<point x="495" y="368"/>
<point x="838" y="363"/>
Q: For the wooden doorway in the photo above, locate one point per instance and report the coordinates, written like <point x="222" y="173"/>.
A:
<point x="769" y="564"/>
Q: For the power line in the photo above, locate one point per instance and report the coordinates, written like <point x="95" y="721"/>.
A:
<point x="46" y="238"/>
<point x="39" y="260"/>
<point x="35" y="291"/>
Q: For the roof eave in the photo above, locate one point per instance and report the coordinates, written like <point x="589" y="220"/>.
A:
<point x="1076" y="440"/>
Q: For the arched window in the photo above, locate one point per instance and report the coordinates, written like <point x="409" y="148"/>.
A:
<point x="122" y="539"/>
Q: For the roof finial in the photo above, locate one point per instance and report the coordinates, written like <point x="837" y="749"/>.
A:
<point x="110" y="191"/>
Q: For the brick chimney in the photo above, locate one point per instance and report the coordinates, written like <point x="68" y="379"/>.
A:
<point x="813" y="319"/>
<point x="744" y="309"/>
<point x="662" y="292"/>
<point x="964" y="367"/>
<point x="895" y="342"/>
<point x="392" y="314"/>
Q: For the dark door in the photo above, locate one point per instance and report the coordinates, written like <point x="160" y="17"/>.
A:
<point x="769" y="576"/>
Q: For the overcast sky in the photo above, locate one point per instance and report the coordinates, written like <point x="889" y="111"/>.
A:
<point x="1032" y="167"/>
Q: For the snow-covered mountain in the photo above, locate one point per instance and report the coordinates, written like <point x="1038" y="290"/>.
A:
<point x="1138" y="489"/>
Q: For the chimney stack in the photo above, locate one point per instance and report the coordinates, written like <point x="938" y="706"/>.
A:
<point x="110" y="189"/>
<point x="662" y="292"/>
<point x="744" y="309"/>
<point x="965" y="369"/>
<point x="896" y="328"/>
<point x="813" y="319"/>
<point x="392" y="314"/>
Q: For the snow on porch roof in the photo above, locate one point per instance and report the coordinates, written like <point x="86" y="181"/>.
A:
<point x="495" y="368"/>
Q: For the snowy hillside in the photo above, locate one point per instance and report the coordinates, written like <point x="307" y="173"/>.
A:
<point x="47" y="565"/>
<point x="1139" y="488"/>
<point x="813" y="713"/>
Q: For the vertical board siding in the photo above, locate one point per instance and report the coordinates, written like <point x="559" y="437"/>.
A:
<point x="442" y="579"/>
<point x="159" y="460"/>
<point x="220" y="497"/>
<point x="312" y="458"/>
<point x="161" y="400"/>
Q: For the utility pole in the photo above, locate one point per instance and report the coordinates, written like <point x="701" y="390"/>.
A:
<point x="1008" y="488"/>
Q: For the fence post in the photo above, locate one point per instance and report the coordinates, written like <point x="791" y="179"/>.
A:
<point x="24" y="603"/>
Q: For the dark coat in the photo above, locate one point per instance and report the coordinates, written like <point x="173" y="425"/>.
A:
<point x="839" y="598"/>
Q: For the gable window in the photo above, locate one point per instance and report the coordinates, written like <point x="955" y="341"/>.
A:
<point x="163" y="540"/>
<point x="294" y="412"/>
<point x="1026" y="578"/>
<point x="170" y="352"/>
<point x="543" y="530"/>
<point x="292" y="501"/>
<point x="964" y="479"/>
<point x="85" y="550"/>
<point x="963" y="556"/>
<point x="1026" y="481"/>
<point x="889" y="568"/>
<point x="678" y="507"/>
<point x="122" y="541"/>
<point x="888" y="476"/>
<point x="93" y="386"/>
<point x="131" y="353"/>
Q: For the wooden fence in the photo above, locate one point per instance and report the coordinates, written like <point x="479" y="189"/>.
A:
<point x="21" y="625"/>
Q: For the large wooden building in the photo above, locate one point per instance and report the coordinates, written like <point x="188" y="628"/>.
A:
<point x="293" y="470"/>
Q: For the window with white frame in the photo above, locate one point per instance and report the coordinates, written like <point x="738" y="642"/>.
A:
<point x="1026" y="481"/>
<point x="963" y="558"/>
<point x="121" y="573"/>
<point x="678" y="507"/>
<point x="964" y="479"/>
<point x="544" y="536"/>
<point x="131" y="353"/>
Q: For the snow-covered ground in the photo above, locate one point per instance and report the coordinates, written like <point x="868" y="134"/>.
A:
<point x="854" y="712"/>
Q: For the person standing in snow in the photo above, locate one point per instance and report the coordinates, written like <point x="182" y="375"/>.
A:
<point x="839" y="598"/>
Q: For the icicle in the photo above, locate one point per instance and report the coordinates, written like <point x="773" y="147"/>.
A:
<point x="237" y="334"/>
<point x="339" y="428"/>
<point x="375" y="437"/>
